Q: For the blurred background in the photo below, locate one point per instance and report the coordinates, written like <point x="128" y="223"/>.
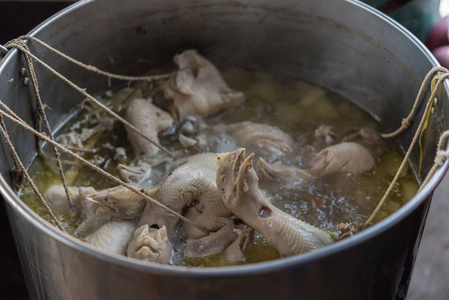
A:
<point x="427" y="19"/>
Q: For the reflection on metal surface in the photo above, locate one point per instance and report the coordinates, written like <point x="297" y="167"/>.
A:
<point x="3" y="50"/>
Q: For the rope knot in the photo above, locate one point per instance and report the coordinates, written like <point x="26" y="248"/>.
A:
<point x="18" y="177"/>
<point x="405" y="122"/>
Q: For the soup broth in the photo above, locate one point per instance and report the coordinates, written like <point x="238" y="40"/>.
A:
<point x="296" y="107"/>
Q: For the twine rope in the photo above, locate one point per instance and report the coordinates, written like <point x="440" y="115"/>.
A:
<point x="93" y="68"/>
<point x="440" y="158"/>
<point x="16" y="44"/>
<point x="22" y="170"/>
<point x="42" y="115"/>
<point x="8" y="113"/>
<point x="405" y="123"/>
<point x="415" y="137"/>
<point x="20" y="44"/>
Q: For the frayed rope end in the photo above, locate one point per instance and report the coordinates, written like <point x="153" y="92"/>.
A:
<point x="441" y="157"/>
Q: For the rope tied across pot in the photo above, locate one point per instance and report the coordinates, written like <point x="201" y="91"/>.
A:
<point x="19" y="167"/>
<point x="437" y="74"/>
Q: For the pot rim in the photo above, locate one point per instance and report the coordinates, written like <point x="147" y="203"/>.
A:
<point x="263" y="267"/>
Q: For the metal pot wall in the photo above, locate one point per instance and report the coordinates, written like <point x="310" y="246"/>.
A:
<point x="341" y="45"/>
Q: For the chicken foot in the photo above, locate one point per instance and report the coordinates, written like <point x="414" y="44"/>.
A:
<point x="238" y="183"/>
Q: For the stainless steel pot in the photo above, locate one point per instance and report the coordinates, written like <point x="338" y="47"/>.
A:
<point x="342" y="45"/>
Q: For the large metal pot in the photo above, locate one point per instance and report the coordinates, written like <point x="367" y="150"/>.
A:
<point x="341" y="45"/>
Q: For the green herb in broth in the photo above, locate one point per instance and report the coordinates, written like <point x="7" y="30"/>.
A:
<point x="297" y="108"/>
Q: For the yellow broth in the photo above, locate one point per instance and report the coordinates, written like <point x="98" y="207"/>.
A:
<point x="297" y="108"/>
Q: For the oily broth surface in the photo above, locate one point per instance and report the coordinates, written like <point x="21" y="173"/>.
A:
<point x="295" y="107"/>
<point x="298" y="108"/>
